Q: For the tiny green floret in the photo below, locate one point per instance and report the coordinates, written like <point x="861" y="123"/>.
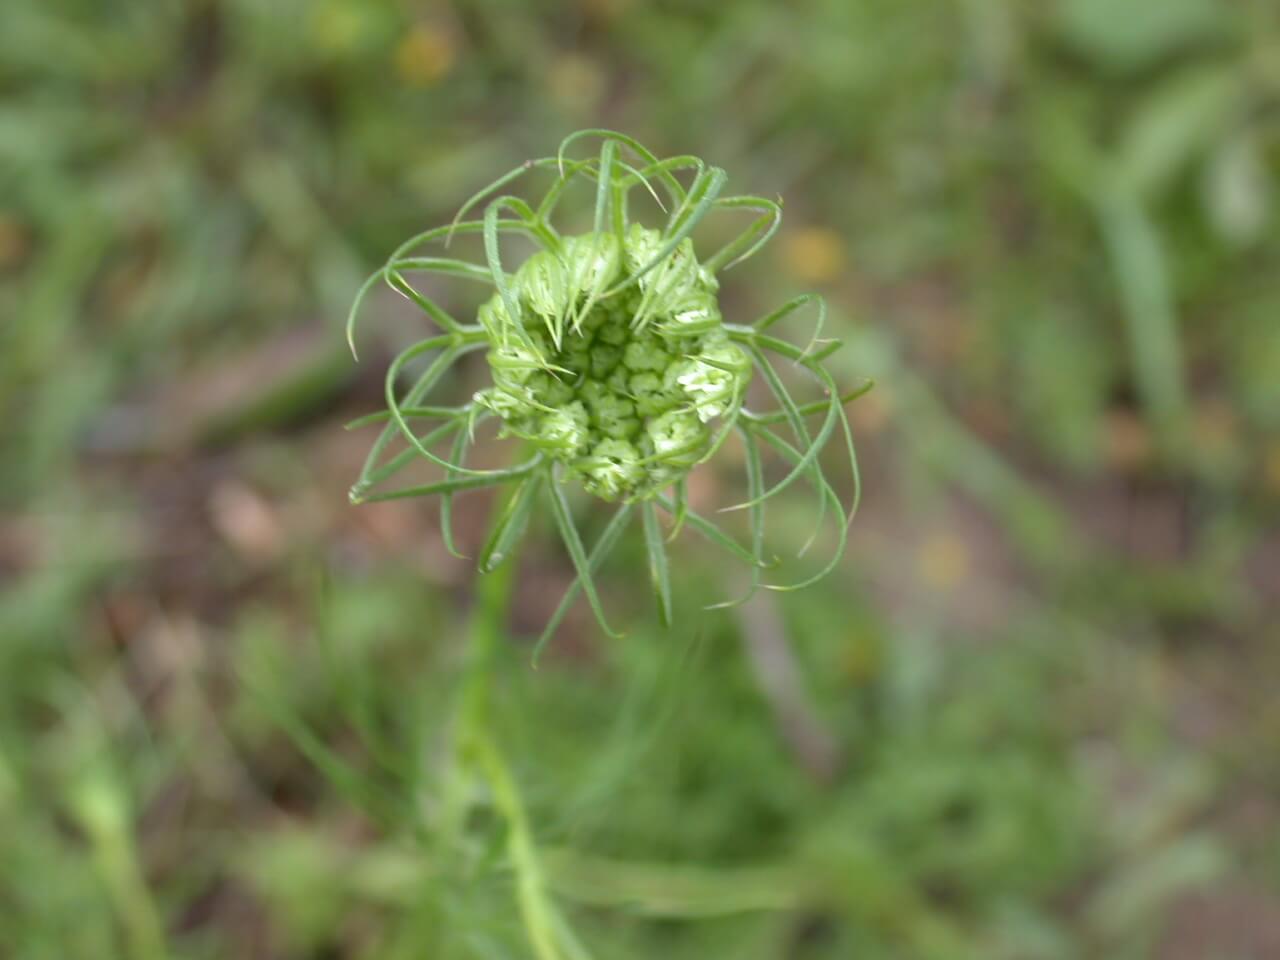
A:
<point x="611" y="360"/>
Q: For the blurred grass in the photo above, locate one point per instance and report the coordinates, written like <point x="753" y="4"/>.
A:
<point x="1048" y="230"/>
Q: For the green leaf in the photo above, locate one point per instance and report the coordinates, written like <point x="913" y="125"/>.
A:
<point x="1141" y="272"/>
<point x="1238" y="189"/>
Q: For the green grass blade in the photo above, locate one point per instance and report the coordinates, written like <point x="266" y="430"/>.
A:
<point x="1151" y="319"/>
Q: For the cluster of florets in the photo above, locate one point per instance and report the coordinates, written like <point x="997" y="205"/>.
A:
<point x="620" y="383"/>
<point x="611" y="360"/>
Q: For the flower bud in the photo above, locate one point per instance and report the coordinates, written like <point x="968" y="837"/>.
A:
<point x="616" y="381"/>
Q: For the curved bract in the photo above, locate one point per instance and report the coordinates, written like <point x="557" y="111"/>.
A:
<point x="611" y="360"/>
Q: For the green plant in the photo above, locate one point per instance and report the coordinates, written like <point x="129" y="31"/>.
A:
<point x="611" y="360"/>
<point x="612" y="364"/>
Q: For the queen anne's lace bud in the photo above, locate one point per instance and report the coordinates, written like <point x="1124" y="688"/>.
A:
<point x="621" y="386"/>
<point x="610" y="357"/>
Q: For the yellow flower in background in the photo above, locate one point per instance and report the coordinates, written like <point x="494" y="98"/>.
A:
<point x="813" y="254"/>
<point x="425" y="55"/>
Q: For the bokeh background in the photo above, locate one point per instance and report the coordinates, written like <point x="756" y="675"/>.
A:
<point x="1034" y="713"/>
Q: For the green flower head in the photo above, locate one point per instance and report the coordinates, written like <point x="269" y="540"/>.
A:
<point x="621" y="391"/>
<point x="611" y="360"/>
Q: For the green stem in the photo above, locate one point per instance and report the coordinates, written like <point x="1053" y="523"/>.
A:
<point x="536" y="908"/>
<point x="488" y="625"/>
<point x="100" y="809"/>
<point x="477" y="748"/>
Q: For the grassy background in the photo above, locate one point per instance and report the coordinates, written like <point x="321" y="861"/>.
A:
<point x="1032" y="716"/>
